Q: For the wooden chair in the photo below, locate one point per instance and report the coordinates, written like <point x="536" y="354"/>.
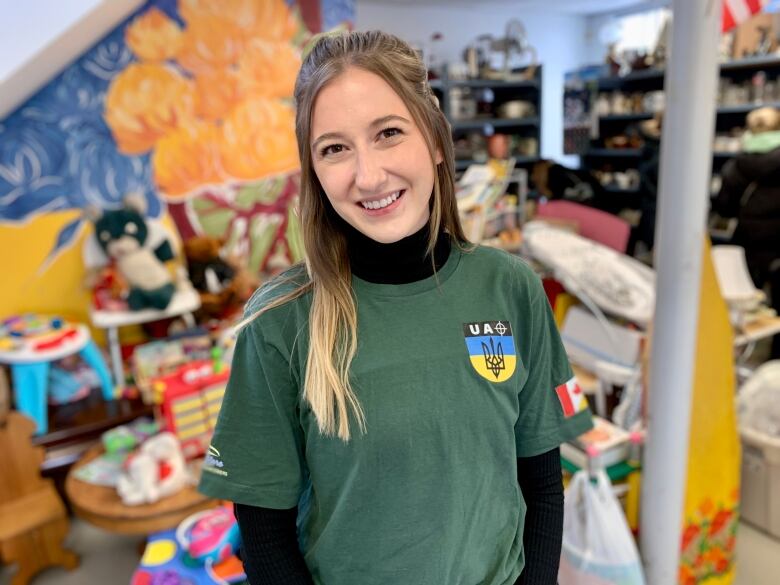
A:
<point x="33" y="520"/>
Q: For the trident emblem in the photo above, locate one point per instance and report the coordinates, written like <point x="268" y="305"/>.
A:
<point x="494" y="357"/>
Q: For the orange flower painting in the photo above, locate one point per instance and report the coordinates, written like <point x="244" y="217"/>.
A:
<point x="269" y="69"/>
<point x="226" y="77"/>
<point x="708" y="543"/>
<point x="258" y="139"/>
<point x="187" y="159"/>
<point x="154" y="37"/>
<point x="208" y="99"/>
<point x="145" y="102"/>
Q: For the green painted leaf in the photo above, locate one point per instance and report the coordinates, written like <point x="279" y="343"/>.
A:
<point x="262" y="233"/>
<point x="216" y="223"/>
<point x="265" y="192"/>
<point x="294" y="235"/>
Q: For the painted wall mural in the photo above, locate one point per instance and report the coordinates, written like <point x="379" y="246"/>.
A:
<point x="187" y="102"/>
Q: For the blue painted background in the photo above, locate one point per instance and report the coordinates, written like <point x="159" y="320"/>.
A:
<point x="56" y="151"/>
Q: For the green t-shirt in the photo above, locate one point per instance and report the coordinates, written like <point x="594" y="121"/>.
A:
<point x="458" y="375"/>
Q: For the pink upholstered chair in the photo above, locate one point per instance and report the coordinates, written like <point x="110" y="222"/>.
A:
<point x="594" y="224"/>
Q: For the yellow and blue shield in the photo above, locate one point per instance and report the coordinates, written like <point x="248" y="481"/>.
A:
<point x="491" y="349"/>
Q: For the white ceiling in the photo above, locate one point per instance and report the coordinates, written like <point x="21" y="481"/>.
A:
<point x="567" y="6"/>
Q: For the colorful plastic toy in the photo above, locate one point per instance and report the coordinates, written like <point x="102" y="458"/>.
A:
<point x="29" y="343"/>
<point x="210" y="537"/>
<point x="189" y="401"/>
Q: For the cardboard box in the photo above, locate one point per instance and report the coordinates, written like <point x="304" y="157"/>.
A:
<point x="760" y="501"/>
<point x="747" y="35"/>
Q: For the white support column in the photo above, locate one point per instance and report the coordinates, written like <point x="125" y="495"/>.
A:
<point x="686" y="161"/>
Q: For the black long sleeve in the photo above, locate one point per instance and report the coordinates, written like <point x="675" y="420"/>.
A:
<point x="542" y="486"/>
<point x="269" y="550"/>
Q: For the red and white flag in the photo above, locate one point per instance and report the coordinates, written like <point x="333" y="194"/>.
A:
<point x="735" y="12"/>
<point x="572" y="398"/>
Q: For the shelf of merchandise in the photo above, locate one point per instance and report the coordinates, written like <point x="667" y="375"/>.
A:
<point x="746" y="108"/>
<point x="728" y="67"/>
<point x="721" y="111"/>
<point x="644" y="75"/>
<point x="483" y="83"/>
<point x="767" y="61"/>
<point x="632" y="117"/>
<point x="490" y="124"/>
<point x="504" y="91"/>
<point x="614" y="152"/>
<point x="620" y="190"/>
<point x="636" y="153"/>
<point x="647" y="80"/>
<point x="463" y="164"/>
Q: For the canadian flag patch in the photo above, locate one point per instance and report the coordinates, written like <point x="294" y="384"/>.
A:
<point x="572" y="398"/>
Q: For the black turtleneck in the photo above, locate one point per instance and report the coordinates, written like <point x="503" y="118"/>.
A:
<point x="401" y="262"/>
<point x="269" y="540"/>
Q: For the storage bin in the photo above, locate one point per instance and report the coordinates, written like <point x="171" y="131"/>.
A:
<point x="761" y="480"/>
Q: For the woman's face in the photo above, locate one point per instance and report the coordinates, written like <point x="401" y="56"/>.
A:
<point x="370" y="157"/>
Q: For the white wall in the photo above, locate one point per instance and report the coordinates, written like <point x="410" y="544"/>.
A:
<point x="558" y="38"/>
<point x="28" y="26"/>
<point x="51" y="44"/>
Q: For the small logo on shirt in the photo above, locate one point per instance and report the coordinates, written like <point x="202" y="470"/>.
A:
<point x="491" y="349"/>
<point x="213" y="462"/>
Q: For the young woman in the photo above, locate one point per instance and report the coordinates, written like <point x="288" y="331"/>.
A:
<point x="396" y="405"/>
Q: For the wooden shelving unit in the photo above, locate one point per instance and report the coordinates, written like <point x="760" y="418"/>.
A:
<point x="727" y="117"/>
<point x="503" y="91"/>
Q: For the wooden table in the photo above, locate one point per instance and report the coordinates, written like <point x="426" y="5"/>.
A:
<point x="102" y="506"/>
<point x="760" y="329"/>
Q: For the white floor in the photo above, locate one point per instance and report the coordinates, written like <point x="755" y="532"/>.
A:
<point x="110" y="559"/>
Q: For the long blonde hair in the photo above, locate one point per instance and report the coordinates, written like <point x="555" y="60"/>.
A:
<point x="333" y="314"/>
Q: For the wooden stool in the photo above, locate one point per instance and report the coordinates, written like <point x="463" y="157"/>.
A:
<point x="33" y="522"/>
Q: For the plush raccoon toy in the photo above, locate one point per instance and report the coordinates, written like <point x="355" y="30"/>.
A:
<point x="122" y="234"/>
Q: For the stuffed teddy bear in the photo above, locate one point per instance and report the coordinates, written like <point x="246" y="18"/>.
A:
<point x="156" y="470"/>
<point x="122" y="235"/>
<point x="223" y="285"/>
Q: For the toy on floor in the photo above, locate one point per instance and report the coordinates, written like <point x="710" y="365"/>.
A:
<point x="122" y="235"/>
<point x="35" y="333"/>
<point x="65" y="387"/>
<point x="156" y="471"/>
<point x="211" y="536"/>
<point x="125" y="438"/>
<point x="166" y="561"/>
<point x="165" y="356"/>
<point x="190" y="400"/>
<point x="30" y="343"/>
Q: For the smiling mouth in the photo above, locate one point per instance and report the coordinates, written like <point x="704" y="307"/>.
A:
<point x="382" y="203"/>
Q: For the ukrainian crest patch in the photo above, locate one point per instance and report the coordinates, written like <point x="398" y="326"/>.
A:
<point x="491" y="349"/>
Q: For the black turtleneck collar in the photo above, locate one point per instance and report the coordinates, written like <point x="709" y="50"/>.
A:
<point x="401" y="262"/>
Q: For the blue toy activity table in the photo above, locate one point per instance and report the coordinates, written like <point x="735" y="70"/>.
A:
<point x="29" y="344"/>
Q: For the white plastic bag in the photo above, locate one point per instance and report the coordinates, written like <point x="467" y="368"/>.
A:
<point x="757" y="401"/>
<point x="598" y="548"/>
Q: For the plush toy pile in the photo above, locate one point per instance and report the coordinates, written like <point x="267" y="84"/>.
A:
<point x="224" y="286"/>
<point x="123" y="236"/>
<point x="156" y="470"/>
